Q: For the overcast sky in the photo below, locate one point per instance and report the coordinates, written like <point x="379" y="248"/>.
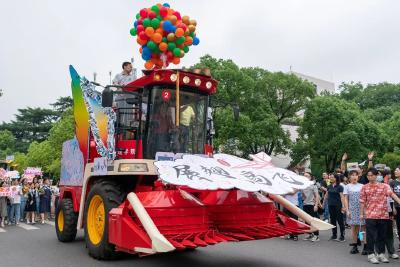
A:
<point x="332" y="40"/>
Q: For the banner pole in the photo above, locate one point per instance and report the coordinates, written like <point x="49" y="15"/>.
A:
<point x="177" y="108"/>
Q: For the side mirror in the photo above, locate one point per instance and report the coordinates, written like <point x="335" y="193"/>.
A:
<point x="107" y="98"/>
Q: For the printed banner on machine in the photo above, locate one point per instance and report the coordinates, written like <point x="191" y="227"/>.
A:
<point x="224" y="171"/>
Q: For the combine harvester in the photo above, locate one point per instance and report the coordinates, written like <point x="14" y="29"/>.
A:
<point x="140" y="175"/>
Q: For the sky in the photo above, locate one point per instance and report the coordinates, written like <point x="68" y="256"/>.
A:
<point x="338" y="41"/>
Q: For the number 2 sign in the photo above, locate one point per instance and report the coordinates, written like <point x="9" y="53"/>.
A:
<point x="166" y="95"/>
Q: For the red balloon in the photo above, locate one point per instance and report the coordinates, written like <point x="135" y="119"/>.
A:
<point x="140" y="22"/>
<point x="177" y="15"/>
<point x="183" y="26"/>
<point x="139" y="28"/>
<point x="170" y="55"/>
<point x="143" y="13"/>
<point x="152" y="15"/>
<point x="143" y="35"/>
<point x="163" y="11"/>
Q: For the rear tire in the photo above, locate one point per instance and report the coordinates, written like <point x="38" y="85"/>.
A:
<point x="103" y="196"/>
<point x="66" y="220"/>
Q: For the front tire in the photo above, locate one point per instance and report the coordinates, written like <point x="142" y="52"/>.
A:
<point x="103" y="196"/>
<point x="66" y="220"/>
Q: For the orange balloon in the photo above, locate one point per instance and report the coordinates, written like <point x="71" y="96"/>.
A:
<point x="171" y="37"/>
<point x="173" y="19"/>
<point x="149" y="65"/>
<point x="179" y="32"/>
<point x="188" y="40"/>
<point x="170" y="11"/>
<point x="156" y="37"/>
<point x="193" y="22"/>
<point x="186" y="20"/>
<point x="160" y="30"/>
<point x="187" y="32"/>
<point x="192" y="28"/>
<point x="140" y="50"/>
<point x="159" y="5"/>
<point x="176" y="60"/>
<point x="180" y="46"/>
<point x="163" y="46"/>
<point x="141" y="42"/>
<point x="149" y="31"/>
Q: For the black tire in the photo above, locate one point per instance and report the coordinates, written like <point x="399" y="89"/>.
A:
<point x="70" y="219"/>
<point x="112" y="195"/>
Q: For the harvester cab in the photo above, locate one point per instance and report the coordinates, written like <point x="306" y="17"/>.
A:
<point x="159" y="113"/>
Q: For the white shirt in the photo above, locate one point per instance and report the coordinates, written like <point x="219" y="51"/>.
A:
<point x="294" y="199"/>
<point x="352" y="188"/>
<point x="124" y="79"/>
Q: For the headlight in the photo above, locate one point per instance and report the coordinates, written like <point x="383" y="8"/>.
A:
<point x="133" y="167"/>
<point x="208" y="85"/>
<point x="186" y="79"/>
<point x="173" y="77"/>
<point x="197" y="82"/>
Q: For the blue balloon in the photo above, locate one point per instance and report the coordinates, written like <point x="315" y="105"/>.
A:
<point x="167" y="25"/>
<point x="135" y="23"/>
<point x="146" y="56"/>
<point x="196" y="41"/>
<point x="172" y="29"/>
<point x="146" y="50"/>
<point x="166" y="5"/>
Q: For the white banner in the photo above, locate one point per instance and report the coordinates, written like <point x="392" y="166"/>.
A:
<point x="224" y="171"/>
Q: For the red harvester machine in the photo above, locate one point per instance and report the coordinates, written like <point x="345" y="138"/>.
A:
<point x="126" y="208"/>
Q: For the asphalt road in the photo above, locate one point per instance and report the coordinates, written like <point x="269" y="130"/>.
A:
<point x="38" y="246"/>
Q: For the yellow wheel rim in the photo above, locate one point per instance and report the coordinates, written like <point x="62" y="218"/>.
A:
<point x="60" y="220"/>
<point x="96" y="220"/>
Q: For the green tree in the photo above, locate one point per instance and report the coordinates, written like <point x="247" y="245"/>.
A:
<point x="7" y="143"/>
<point x="31" y="124"/>
<point x="62" y="104"/>
<point x="265" y="101"/>
<point x="332" y="126"/>
<point x="391" y="159"/>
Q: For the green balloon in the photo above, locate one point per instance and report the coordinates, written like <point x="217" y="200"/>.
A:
<point x="171" y="46"/>
<point x="165" y="40"/>
<point x="155" y="23"/>
<point x="192" y="34"/>
<point x="146" y="22"/>
<point x="159" y="17"/>
<point x="180" y="40"/>
<point x="157" y="50"/>
<point x="177" y="52"/>
<point x="186" y="49"/>
<point x="152" y="45"/>
<point x="156" y="9"/>
<point x="137" y="16"/>
<point x="133" y="32"/>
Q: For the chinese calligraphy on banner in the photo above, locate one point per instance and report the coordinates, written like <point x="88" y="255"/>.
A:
<point x="224" y="171"/>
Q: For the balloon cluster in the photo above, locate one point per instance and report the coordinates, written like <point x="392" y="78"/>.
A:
<point x="164" y="35"/>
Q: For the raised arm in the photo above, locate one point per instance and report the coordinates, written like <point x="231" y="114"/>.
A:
<point x="343" y="162"/>
<point x="370" y="158"/>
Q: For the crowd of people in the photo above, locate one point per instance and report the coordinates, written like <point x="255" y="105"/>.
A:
<point x="364" y="200"/>
<point x="30" y="201"/>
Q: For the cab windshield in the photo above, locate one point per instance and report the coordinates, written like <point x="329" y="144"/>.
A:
<point x="163" y="134"/>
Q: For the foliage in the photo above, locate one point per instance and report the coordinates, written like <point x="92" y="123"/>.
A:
<point x="265" y="101"/>
<point x="7" y="143"/>
<point x="34" y="124"/>
<point x="391" y="159"/>
<point x="332" y="126"/>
